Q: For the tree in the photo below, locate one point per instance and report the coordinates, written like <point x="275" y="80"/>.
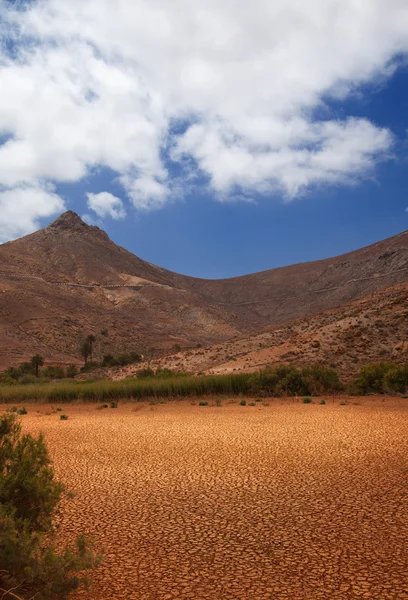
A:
<point x="85" y="351"/>
<point x="31" y="566"/>
<point x="91" y="339"/>
<point x="36" y="362"/>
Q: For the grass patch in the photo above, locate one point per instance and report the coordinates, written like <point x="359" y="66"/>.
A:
<point x="131" y="389"/>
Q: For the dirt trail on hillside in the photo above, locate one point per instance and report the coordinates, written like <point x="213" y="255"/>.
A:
<point x="286" y="502"/>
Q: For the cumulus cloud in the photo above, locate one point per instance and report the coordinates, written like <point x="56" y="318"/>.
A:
<point x="105" y="204"/>
<point x="21" y="207"/>
<point x="228" y="90"/>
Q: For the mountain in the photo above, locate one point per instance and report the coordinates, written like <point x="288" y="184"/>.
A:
<point x="69" y="279"/>
<point x="368" y="330"/>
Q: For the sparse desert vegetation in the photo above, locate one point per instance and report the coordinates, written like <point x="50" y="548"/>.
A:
<point x="279" y="500"/>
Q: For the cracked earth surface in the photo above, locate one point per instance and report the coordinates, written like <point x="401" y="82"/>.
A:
<point x="279" y="502"/>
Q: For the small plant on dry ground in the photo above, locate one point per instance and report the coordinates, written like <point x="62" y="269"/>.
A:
<point x="31" y="564"/>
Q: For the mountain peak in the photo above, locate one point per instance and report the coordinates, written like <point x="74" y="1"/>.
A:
<point x="69" y="220"/>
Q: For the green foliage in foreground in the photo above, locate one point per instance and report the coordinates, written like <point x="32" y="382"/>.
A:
<point x="30" y="565"/>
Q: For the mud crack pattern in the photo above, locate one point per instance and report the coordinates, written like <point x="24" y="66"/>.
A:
<point x="284" y="502"/>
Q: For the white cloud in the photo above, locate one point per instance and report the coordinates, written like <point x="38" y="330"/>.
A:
<point x="101" y="82"/>
<point x="21" y="208"/>
<point x="105" y="204"/>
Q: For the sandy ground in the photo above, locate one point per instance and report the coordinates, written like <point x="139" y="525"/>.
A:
<point x="286" y="501"/>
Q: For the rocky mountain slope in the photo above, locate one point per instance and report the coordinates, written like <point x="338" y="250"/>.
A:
<point x="69" y="279"/>
<point x="365" y="331"/>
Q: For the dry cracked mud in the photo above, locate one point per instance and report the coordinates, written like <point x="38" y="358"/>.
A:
<point x="281" y="502"/>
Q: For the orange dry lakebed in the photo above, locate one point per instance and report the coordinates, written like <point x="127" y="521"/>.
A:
<point x="286" y="501"/>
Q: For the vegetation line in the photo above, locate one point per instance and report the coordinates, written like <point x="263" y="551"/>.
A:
<point x="283" y="380"/>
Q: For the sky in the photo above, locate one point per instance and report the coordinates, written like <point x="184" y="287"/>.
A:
<point x="211" y="138"/>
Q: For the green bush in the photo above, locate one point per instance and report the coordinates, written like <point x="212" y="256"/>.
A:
<point x="396" y="379"/>
<point x="322" y="402"/>
<point x="113" y="404"/>
<point x="307" y="400"/>
<point x="31" y="564"/>
<point x="22" y="411"/>
<point x="64" y="417"/>
<point x="147" y="372"/>
<point x="242" y="403"/>
<point x="320" y="379"/>
<point x="203" y="403"/>
<point x="72" y="371"/>
<point x="380" y="378"/>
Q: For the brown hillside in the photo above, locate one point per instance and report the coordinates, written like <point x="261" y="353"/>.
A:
<point x="69" y="279"/>
<point x="368" y="330"/>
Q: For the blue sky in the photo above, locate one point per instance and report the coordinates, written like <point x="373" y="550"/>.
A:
<point x="234" y="141"/>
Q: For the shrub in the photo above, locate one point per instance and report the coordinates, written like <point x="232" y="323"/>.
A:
<point x="27" y="379"/>
<point x="90" y="366"/>
<point x="64" y="417"/>
<point x="252" y="404"/>
<point x="72" y="371"/>
<point x="113" y="404"/>
<point x="31" y="564"/>
<point x="320" y="379"/>
<point x="277" y="381"/>
<point x="59" y="409"/>
<point x="307" y="400"/>
<point x="203" y="403"/>
<point x="109" y="361"/>
<point x="147" y="372"/>
<point x="54" y="372"/>
<point x="7" y="380"/>
<point x="242" y="403"/>
<point x="22" y="411"/>
<point x="380" y="378"/>
<point x="396" y="379"/>
<point x="322" y="402"/>
<point x="370" y="379"/>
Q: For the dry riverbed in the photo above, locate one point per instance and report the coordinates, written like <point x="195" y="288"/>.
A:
<point x="287" y="501"/>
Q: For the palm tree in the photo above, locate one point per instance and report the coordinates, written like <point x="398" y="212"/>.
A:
<point x="37" y="361"/>
<point x="85" y="350"/>
<point x="91" y="339"/>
